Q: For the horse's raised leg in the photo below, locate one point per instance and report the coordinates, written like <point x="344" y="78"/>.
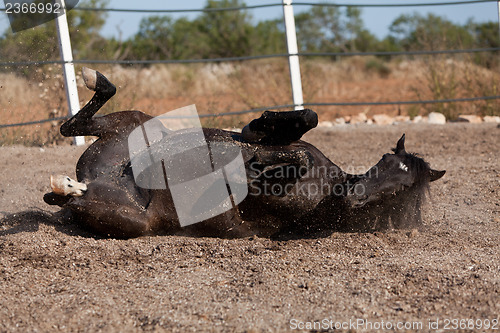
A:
<point x="82" y="123"/>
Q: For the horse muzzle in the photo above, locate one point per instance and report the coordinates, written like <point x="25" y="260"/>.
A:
<point x="355" y="201"/>
<point x="357" y="197"/>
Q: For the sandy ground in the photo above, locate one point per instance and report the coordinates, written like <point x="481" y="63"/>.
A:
<point x="57" y="277"/>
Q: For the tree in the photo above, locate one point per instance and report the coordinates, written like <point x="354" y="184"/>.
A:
<point x="268" y="38"/>
<point x="154" y="38"/>
<point x="162" y="37"/>
<point x="213" y="34"/>
<point x="319" y="29"/>
<point x="225" y="33"/>
<point x="416" y="32"/>
<point x="486" y="36"/>
<point x="365" y="41"/>
<point x="84" y="29"/>
<point x="354" y="28"/>
<point x="331" y="29"/>
<point x="40" y="43"/>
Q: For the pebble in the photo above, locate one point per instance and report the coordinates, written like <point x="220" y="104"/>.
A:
<point x="437" y="118"/>
<point x="382" y="119"/>
<point x="325" y="124"/>
<point x="470" y="118"/>
<point x="359" y="118"/>
<point x="402" y="119"/>
<point x="491" y="119"/>
<point x="413" y="233"/>
<point x="339" y="121"/>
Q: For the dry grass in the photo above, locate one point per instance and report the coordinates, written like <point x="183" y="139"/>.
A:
<point x="447" y="78"/>
<point x="224" y="87"/>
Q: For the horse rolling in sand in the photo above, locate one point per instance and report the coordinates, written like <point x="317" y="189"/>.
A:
<point x="106" y="198"/>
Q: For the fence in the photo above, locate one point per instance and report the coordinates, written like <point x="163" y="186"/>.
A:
<point x="293" y="55"/>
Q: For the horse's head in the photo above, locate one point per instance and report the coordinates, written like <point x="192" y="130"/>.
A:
<point x="393" y="175"/>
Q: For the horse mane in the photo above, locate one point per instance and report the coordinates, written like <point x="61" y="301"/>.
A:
<point x="421" y="168"/>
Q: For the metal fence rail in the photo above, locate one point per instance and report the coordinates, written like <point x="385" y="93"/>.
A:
<point x="235" y="113"/>
<point x="256" y="57"/>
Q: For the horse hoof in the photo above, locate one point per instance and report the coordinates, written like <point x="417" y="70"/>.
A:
<point x="55" y="199"/>
<point x="251" y="136"/>
<point x="89" y="77"/>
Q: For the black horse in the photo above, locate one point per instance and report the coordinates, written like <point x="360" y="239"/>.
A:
<point x="292" y="187"/>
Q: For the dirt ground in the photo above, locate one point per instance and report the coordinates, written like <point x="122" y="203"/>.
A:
<point x="57" y="277"/>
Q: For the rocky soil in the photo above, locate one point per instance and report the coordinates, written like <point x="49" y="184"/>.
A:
<point x="57" y="277"/>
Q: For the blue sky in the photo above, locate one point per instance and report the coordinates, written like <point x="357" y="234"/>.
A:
<point x="377" y="20"/>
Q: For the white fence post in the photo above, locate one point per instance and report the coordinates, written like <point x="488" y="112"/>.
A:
<point x="293" y="59"/>
<point x="68" y="66"/>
